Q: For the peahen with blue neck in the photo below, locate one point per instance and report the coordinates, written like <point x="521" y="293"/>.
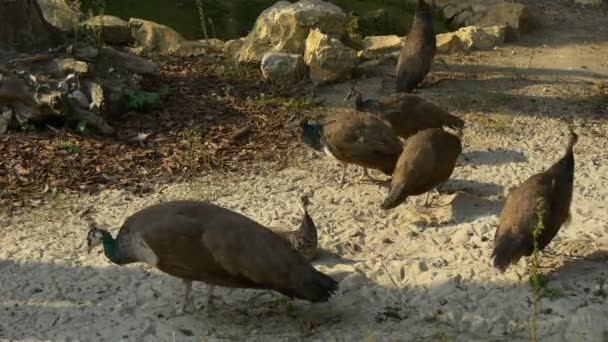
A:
<point x="354" y="137"/>
<point x="199" y="241"/>
<point x="547" y="194"/>
<point x="418" y="50"/>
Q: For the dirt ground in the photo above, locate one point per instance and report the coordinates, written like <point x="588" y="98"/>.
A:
<point x="410" y="274"/>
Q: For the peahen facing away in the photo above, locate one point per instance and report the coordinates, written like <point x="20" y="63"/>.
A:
<point x="418" y="50"/>
<point x="427" y="161"/>
<point x="199" y="241"/>
<point x="547" y="194"/>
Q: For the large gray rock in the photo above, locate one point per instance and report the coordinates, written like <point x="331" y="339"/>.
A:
<point x="130" y="62"/>
<point x="591" y="3"/>
<point x="376" y="46"/>
<point x="513" y="15"/>
<point x="232" y="48"/>
<point x="112" y="30"/>
<point x="156" y="37"/>
<point x="6" y="117"/>
<point x="328" y="59"/>
<point x="59" y="14"/>
<point x="485" y="38"/>
<point x="283" y="67"/>
<point x="448" y="42"/>
<point x="213" y="45"/>
<point x="284" y="27"/>
<point x="471" y="38"/>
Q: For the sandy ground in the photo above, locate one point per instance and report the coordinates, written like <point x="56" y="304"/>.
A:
<point x="410" y="274"/>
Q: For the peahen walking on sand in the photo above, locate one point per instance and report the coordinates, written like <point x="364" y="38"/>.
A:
<point x="200" y="241"/>
<point x="547" y="194"/>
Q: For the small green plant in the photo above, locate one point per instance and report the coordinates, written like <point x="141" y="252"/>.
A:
<point x="82" y="126"/>
<point x="201" y="15"/>
<point x="585" y="122"/>
<point x="196" y="153"/>
<point x="68" y="145"/>
<point x="143" y="100"/>
<point x="537" y="280"/>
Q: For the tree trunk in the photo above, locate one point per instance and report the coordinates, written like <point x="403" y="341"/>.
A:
<point x="23" y="27"/>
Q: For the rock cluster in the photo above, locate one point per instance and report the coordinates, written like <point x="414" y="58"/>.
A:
<point x="514" y="16"/>
<point x="315" y="29"/>
<point x="69" y="85"/>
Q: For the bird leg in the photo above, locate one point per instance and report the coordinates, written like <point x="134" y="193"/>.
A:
<point x="187" y="298"/>
<point x="366" y="174"/>
<point x="426" y="199"/>
<point x="343" y="177"/>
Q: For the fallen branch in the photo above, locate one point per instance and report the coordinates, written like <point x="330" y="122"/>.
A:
<point x="30" y="59"/>
<point x="241" y="132"/>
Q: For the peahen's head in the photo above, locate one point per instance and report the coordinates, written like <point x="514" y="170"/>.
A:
<point x="96" y="237"/>
<point x="312" y="135"/>
<point x="304" y="203"/>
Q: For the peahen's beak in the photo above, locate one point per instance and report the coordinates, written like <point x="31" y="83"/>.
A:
<point x="89" y="249"/>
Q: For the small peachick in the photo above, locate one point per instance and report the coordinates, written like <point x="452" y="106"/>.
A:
<point x="200" y="241"/>
<point x="549" y="193"/>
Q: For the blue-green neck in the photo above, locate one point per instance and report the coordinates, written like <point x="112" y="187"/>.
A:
<point x="109" y="249"/>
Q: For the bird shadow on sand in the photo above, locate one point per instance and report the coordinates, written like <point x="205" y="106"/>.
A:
<point x="460" y="201"/>
<point x="591" y="266"/>
<point x="495" y="157"/>
<point x="59" y="301"/>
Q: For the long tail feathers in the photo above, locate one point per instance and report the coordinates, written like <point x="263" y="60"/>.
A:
<point x="395" y="197"/>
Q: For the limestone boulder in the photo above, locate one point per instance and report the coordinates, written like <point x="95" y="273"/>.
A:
<point x="376" y="46"/>
<point x="448" y="42"/>
<point x="6" y="117"/>
<point x="232" y="48"/>
<point x="129" y="62"/>
<point x="284" y="27"/>
<point x="592" y="3"/>
<point x="486" y="38"/>
<point x="213" y="45"/>
<point x="59" y="14"/>
<point x="112" y="30"/>
<point x="369" y="68"/>
<point x="283" y="67"/>
<point x="514" y="16"/>
<point x="163" y="39"/>
<point x="327" y="58"/>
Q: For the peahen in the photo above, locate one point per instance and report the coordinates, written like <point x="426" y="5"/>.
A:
<point x="354" y="137"/>
<point x="547" y="194"/>
<point x="200" y="241"/>
<point x="418" y="50"/>
<point x="427" y="161"/>
<point x="407" y="113"/>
